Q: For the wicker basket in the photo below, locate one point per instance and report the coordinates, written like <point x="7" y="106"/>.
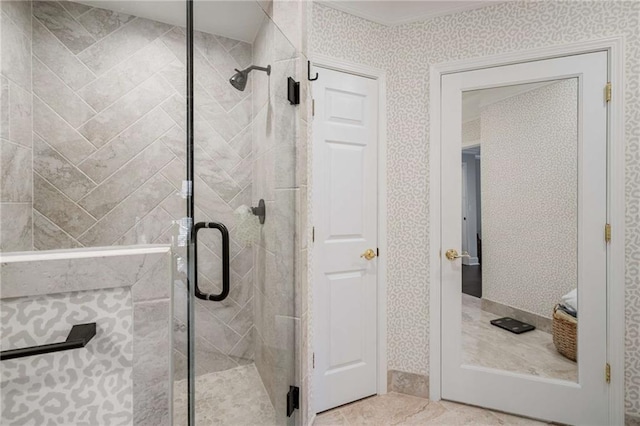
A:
<point x="565" y="333"/>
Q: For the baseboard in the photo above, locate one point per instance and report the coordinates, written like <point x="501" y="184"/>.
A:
<point x="470" y="261"/>
<point x="540" y="322"/>
<point x="408" y="383"/>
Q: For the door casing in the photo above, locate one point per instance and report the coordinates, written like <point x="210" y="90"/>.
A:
<point x="615" y="205"/>
<point x="323" y="61"/>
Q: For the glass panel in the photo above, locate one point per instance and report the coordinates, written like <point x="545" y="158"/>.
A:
<point x="94" y="154"/>
<point x="244" y="345"/>
<point x="520" y="227"/>
<point x="91" y="143"/>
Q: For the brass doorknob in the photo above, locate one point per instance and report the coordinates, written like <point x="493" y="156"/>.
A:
<point x="368" y="254"/>
<point x="452" y="254"/>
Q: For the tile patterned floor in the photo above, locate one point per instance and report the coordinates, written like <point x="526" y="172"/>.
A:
<point x="234" y="397"/>
<point x="528" y="353"/>
<point x="399" y="409"/>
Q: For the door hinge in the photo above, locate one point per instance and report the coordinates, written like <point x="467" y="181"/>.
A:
<point x="293" y="400"/>
<point x="313" y="107"/>
<point x="607" y="372"/>
<point x="607" y="92"/>
<point x="313" y="360"/>
<point x="607" y="233"/>
<point x="313" y="234"/>
<point x="377" y="252"/>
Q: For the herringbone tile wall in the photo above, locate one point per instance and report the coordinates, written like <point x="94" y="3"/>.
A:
<point x="16" y="194"/>
<point x="108" y="150"/>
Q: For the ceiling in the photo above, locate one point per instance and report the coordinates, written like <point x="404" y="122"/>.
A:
<point x="236" y="19"/>
<point x="396" y="12"/>
<point x="240" y="19"/>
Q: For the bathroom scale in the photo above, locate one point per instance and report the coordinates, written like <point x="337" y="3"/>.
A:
<point x="512" y="325"/>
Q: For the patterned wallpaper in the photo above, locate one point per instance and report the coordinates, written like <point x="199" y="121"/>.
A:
<point x="92" y="385"/>
<point x="529" y="232"/>
<point x="471" y="131"/>
<point x="406" y="52"/>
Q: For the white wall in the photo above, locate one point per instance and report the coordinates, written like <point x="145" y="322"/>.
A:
<point x="406" y="53"/>
<point x="529" y="192"/>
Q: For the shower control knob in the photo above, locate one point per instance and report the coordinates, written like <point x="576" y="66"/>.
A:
<point x="368" y="254"/>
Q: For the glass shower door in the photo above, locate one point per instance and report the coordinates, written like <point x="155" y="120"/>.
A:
<point x="242" y="194"/>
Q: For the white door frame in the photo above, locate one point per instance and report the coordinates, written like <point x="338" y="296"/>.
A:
<point x="379" y="75"/>
<point x="615" y="205"/>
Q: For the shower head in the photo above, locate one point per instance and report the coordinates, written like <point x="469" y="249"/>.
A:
<point x="239" y="79"/>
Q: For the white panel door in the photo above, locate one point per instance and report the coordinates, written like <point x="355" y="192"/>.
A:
<point x="510" y="377"/>
<point x="345" y="218"/>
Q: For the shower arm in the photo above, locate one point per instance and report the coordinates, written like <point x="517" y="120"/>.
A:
<point x="255" y="67"/>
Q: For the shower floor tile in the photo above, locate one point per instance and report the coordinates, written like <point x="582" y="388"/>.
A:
<point x="232" y="397"/>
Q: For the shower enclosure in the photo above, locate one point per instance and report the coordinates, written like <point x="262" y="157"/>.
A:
<point x="148" y="194"/>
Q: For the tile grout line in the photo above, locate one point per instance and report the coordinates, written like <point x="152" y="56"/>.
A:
<point x="65" y="196"/>
<point x="137" y="154"/>
<point x="60" y="229"/>
<point x="118" y="64"/>
<point x="15" y="24"/>
<point x="244" y="335"/>
<point x="208" y="124"/>
<point x="63" y="120"/>
<point x="133" y="89"/>
<point x="82" y="14"/>
<point x="158" y="206"/>
<point x="215" y="69"/>
<point x="102" y="38"/>
<point x="215" y="346"/>
<point x="240" y="311"/>
<point x="97" y="40"/>
<point x="129" y="56"/>
<point x="122" y="201"/>
<point x="148" y="147"/>
<point x="63" y="46"/>
<point x="65" y="85"/>
<point x="75" y="167"/>
<point x="79" y="23"/>
<point x="159" y="105"/>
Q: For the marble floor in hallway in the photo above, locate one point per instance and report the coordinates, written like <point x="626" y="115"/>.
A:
<point x="234" y="397"/>
<point x="399" y="409"/>
<point x="530" y="353"/>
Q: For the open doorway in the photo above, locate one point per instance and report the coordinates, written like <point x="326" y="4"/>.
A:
<point x="471" y="217"/>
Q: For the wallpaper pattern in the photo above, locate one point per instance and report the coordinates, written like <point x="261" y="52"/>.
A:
<point x="529" y="220"/>
<point x="92" y="385"/>
<point x="500" y="28"/>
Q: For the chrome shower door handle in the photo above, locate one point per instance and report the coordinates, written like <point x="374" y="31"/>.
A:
<point x="225" y="261"/>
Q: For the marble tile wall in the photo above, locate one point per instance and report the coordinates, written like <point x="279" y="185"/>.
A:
<point x="105" y="159"/>
<point x="291" y="19"/>
<point x="16" y="145"/>
<point x="277" y="181"/>
<point x="126" y="292"/>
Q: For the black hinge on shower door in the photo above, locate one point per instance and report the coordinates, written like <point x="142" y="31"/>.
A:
<point x="293" y="400"/>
